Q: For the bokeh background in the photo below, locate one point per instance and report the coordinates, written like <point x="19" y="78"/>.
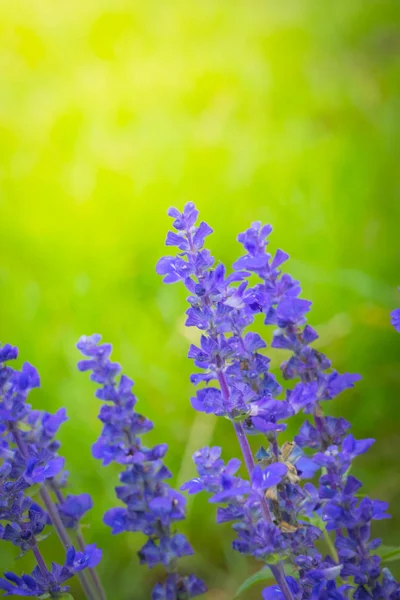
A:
<point x="110" y="112"/>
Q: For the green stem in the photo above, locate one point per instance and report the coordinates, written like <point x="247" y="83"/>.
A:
<point x="331" y="546"/>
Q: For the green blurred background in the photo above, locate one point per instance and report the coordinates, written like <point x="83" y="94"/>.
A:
<point x="110" y="112"/>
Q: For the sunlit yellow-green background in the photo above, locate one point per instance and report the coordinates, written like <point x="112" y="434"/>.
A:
<point x="285" y="111"/>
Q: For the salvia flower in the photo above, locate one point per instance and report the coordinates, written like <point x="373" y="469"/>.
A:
<point x="151" y="505"/>
<point x="341" y="510"/>
<point x="29" y="457"/>
<point x="273" y="511"/>
<point x="50" y="583"/>
<point x="278" y="515"/>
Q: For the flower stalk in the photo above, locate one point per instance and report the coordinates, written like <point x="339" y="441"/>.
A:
<point x="276" y="512"/>
<point x="30" y="457"/>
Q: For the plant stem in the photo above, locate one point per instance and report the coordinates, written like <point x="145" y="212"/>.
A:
<point x="82" y="545"/>
<point x="331" y="546"/>
<point x="39" y="560"/>
<point x="277" y="570"/>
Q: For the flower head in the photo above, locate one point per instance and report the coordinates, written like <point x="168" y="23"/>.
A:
<point x="271" y="512"/>
<point x="29" y="454"/>
<point x="151" y="505"/>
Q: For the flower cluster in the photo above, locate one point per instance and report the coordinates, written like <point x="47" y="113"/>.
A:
<point x="298" y="506"/>
<point x="152" y="506"/>
<point x="43" y="583"/>
<point x="275" y="512"/>
<point x="29" y="457"/>
<point x="342" y="511"/>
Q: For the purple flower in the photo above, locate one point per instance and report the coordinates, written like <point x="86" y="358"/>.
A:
<point x="274" y="591"/>
<point x="211" y="469"/>
<point x="263" y="479"/>
<point x="271" y="517"/>
<point x="178" y="587"/>
<point x="395" y="319"/>
<point x="151" y="506"/>
<point x="30" y="455"/>
<point x="14" y="389"/>
<point x="50" y="583"/>
<point x="36" y="584"/>
<point x="264" y="541"/>
<point x="37" y="472"/>
<point x="230" y="355"/>
<point x="26" y="526"/>
<point x="8" y="352"/>
<point x="77" y="561"/>
<point x="303" y="397"/>
<point x="73" y="508"/>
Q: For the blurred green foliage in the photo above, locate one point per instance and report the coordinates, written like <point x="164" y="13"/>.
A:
<point x="111" y="111"/>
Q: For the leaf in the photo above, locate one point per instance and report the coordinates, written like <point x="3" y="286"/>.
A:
<point x="24" y="426"/>
<point x="315" y="520"/>
<point x="389" y="553"/>
<point x="261" y="575"/>
<point x="318" y="522"/>
<point x="33" y="490"/>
